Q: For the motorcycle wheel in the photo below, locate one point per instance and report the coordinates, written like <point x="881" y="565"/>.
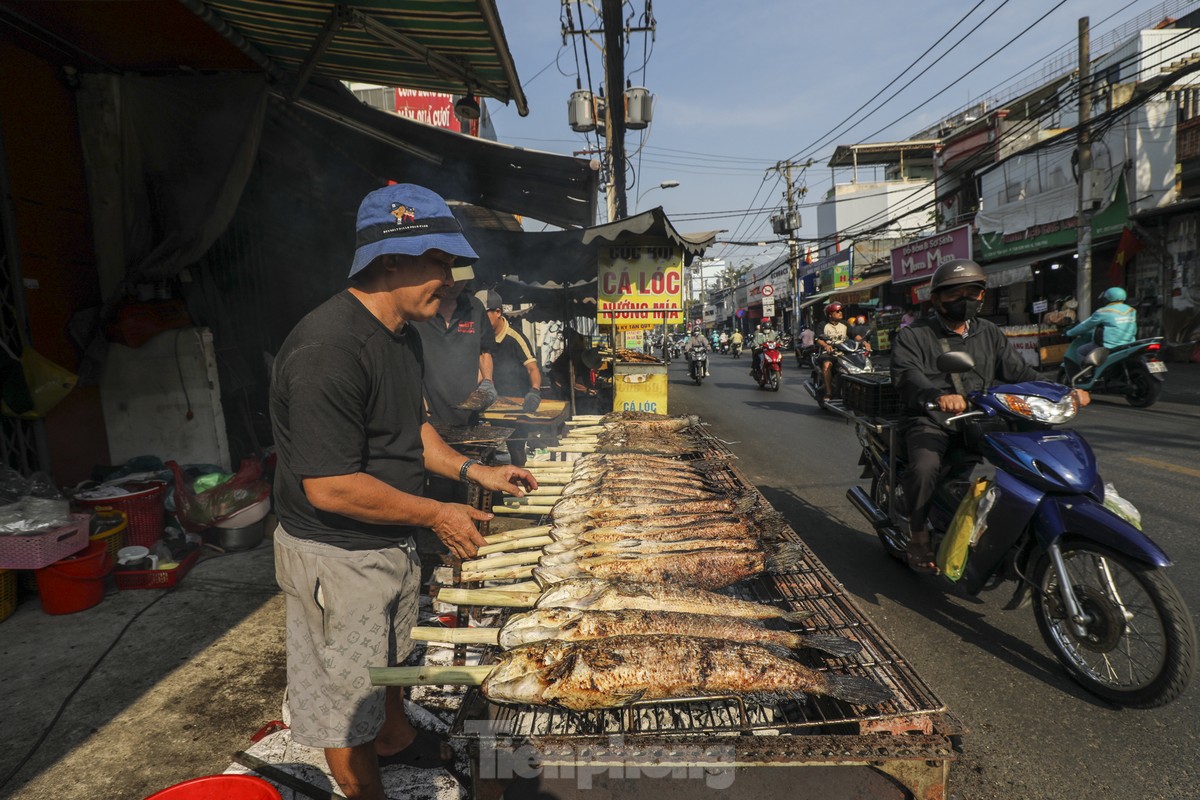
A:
<point x="1143" y="390"/>
<point x="698" y="376"/>
<point x="879" y="496"/>
<point x="1140" y="648"/>
<point x="774" y="387"/>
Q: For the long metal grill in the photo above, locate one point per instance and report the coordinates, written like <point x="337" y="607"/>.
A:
<point x="809" y="587"/>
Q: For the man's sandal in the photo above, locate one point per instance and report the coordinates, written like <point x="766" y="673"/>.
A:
<point x="922" y="561"/>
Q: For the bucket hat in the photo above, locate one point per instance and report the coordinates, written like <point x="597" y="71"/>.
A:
<point x="406" y="219"/>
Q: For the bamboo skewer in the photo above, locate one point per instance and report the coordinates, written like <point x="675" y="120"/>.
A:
<point x="431" y="675"/>
<point x="504" y="573"/>
<point x="457" y="635"/>
<point x="517" y="533"/>
<point x="471" y="568"/>
<point x="529" y="500"/>
<point x="490" y="550"/>
<point x="534" y="511"/>
<point x="501" y="598"/>
<point x="525" y="586"/>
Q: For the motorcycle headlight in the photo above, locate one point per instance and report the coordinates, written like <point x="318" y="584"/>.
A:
<point x="1038" y="408"/>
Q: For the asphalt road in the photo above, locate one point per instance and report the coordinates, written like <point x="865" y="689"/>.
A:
<point x="1032" y="732"/>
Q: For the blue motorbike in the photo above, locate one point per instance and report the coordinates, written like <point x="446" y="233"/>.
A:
<point x="1103" y="603"/>
<point x="1133" y="370"/>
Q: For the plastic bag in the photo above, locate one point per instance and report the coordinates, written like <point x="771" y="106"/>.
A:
<point x="30" y="504"/>
<point x="200" y="511"/>
<point x="1121" y="507"/>
<point x="36" y="388"/>
<point x="956" y="544"/>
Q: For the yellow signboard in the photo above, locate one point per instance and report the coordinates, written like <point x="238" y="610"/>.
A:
<point x="640" y="286"/>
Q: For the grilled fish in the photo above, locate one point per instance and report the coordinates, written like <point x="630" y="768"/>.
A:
<point x="614" y="672"/>
<point x="572" y="625"/>
<point x="599" y="595"/>
<point x="566" y="551"/>
<point x="737" y="529"/>
<point x="703" y="569"/>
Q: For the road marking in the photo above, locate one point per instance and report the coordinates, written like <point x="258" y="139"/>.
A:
<point x="1167" y="465"/>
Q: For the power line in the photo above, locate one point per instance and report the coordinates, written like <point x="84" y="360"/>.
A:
<point x="807" y="150"/>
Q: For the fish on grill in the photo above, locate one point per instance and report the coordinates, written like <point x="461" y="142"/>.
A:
<point x="601" y="595"/>
<point x="703" y="569"/>
<point x="567" y="551"/>
<point x="617" y="671"/>
<point x="718" y="528"/>
<point x="573" y="624"/>
<point x="645" y="418"/>
<point x="637" y="509"/>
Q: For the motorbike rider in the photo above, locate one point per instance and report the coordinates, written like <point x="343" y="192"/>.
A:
<point x="698" y="340"/>
<point x="735" y="340"/>
<point x="833" y="332"/>
<point x="957" y="290"/>
<point x="724" y="340"/>
<point x="762" y="334"/>
<point x="1116" y="321"/>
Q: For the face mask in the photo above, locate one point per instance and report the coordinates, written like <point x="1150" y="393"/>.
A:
<point x="962" y="309"/>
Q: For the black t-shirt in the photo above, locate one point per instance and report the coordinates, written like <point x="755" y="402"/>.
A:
<point x="346" y="398"/>
<point x="513" y="353"/>
<point x="452" y="352"/>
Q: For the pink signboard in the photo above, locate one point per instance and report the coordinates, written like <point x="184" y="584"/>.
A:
<point x="918" y="259"/>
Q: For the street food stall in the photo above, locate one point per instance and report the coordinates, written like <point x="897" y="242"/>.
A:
<point x="618" y="679"/>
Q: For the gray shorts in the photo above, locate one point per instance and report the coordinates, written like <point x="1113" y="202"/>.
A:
<point x="346" y="610"/>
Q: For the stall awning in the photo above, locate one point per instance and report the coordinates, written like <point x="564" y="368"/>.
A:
<point x="570" y="256"/>
<point x="865" y="285"/>
<point x="453" y="46"/>
<point x="1019" y="270"/>
<point x="552" y="188"/>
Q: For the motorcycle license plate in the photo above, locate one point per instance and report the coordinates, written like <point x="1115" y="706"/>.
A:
<point x="1156" y="366"/>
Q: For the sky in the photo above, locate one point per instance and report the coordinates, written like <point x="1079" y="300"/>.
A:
<point x="740" y="86"/>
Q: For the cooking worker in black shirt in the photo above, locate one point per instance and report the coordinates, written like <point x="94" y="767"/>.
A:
<point x="518" y="376"/>
<point x="354" y="445"/>
<point x="957" y="290"/>
<point x="458" y="346"/>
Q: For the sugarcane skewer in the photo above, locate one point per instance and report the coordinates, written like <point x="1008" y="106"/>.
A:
<point x="500" y="598"/>
<point x="515" y="544"/>
<point x="456" y="635"/>
<point x="430" y="675"/>
<point x="471" y="568"/>
<point x="517" y="533"/>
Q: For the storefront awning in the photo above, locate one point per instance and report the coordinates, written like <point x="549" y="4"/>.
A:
<point x="865" y="285"/>
<point x="1019" y="270"/>
<point x="454" y="47"/>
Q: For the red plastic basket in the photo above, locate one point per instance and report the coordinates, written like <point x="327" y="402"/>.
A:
<point x="37" y="550"/>
<point x="143" y="508"/>
<point x="156" y="578"/>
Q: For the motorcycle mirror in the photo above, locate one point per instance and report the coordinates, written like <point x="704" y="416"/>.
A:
<point x="955" y="361"/>
<point x="1096" y="357"/>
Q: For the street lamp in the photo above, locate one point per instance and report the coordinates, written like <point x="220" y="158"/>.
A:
<point x="663" y="185"/>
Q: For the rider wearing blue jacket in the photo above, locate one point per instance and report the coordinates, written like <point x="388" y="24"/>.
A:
<point x="1117" y="323"/>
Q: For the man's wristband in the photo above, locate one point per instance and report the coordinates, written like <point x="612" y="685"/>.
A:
<point x="465" y="468"/>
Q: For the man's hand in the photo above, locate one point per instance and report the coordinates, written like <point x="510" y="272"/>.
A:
<point x="952" y="403"/>
<point x="455" y="526"/>
<point x="488" y="388"/>
<point x="504" y="478"/>
<point x="531" y="402"/>
<point x="1082" y="397"/>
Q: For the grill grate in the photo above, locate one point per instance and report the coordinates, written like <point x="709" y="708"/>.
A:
<point x="811" y="587"/>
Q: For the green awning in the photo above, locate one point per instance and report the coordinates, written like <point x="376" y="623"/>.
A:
<point x="451" y="46"/>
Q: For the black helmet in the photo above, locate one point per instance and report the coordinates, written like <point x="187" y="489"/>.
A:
<point x="957" y="272"/>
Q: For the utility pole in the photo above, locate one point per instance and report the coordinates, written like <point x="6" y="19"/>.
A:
<point x="792" y="193"/>
<point x="614" y="80"/>
<point x="1083" y="269"/>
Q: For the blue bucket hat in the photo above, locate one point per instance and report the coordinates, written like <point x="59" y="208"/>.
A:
<point x="406" y="219"/>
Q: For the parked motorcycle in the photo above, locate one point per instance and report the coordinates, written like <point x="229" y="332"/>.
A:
<point x="767" y="370"/>
<point x="697" y="363"/>
<point x="1102" y="601"/>
<point x="1133" y="370"/>
<point x="852" y="358"/>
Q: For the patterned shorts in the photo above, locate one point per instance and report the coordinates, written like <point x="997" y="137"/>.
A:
<point x="346" y="610"/>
